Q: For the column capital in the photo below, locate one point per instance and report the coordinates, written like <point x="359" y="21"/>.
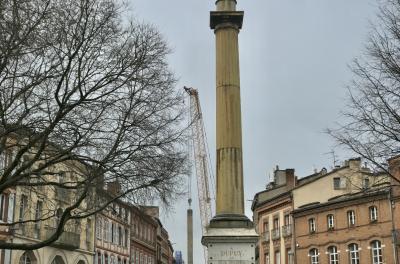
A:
<point x="221" y="17"/>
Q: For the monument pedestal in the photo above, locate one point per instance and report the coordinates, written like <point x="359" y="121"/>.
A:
<point x="230" y="239"/>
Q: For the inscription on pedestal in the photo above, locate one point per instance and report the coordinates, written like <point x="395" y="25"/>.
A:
<point x="227" y="253"/>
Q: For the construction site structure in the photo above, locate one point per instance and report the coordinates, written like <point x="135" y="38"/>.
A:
<point x="202" y="167"/>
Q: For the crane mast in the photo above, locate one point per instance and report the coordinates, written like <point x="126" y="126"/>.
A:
<point x="200" y="157"/>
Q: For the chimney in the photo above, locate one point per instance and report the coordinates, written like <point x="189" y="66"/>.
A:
<point x="290" y="178"/>
<point x="355" y="164"/>
<point x="394" y="167"/>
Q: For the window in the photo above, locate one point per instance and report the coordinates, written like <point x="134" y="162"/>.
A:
<point x="331" y="221"/>
<point x="98" y="257"/>
<point x="105" y="231"/>
<point x="89" y="231"/>
<point x="336" y="183"/>
<point x="354" y="255"/>
<point x="99" y="228"/>
<point x="126" y="237"/>
<point x="119" y="236"/>
<point x="277" y="257"/>
<point x="311" y="225"/>
<point x="339" y="183"/>
<point x="351" y="218"/>
<point x="276" y="222"/>
<point x="373" y="214"/>
<point x="22" y="207"/>
<point x="106" y="259"/>
<point x="333" y="255"/>
<point x="113" y="236"/>
<point x="376" y="251"/>
<point x="25" y="259"/>
<point x="2" y="207"/>
<point x="314" y="256"/>
<point x="287" y="219"/>
<point x="366" y="183"/>
<point x="266" y="258"/>
<point x="265" y="226"/>
<point x="38" y="216"/>
<point x="289" y="256"/>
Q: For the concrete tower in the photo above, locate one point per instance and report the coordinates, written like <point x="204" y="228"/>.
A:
<point x="230" y="235"/>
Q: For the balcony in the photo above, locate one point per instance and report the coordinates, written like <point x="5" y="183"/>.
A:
<point x="286" y="230"/>
<point x="31" y="230"/>
<point x="265" y="236"/>
<point x="276" y="234"/>
<point x="68" y="240"/>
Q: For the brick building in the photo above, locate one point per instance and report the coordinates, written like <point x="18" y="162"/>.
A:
<point x="286" y="211"/>
<point x="272" y="216"/>
<point x="143" y="236"/>
<point x="353" y="228"/>
<point x="113" y="230"/>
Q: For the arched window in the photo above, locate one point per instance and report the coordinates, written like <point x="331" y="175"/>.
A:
<point x="58" y="260"/>
<point x="106" y="259"/>
<point x="333" y="255"/>
<point x="373" y="214"/>
<point x="25" y="259"/>
<point x="314" y="256"/>
<point x="354" y="255"/>
<point x="376" y="252"/>
<point x="331" y="221"/>
<point x="351" y="218"/>
<point x="99" y="228"/>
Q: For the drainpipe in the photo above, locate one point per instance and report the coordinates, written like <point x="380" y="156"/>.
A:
<point x="395" y="253"/>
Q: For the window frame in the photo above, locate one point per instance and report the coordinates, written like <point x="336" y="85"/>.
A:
<point x="376" y="252"/>
<point x="351" y="218"/>
<point x="330" y="221"/>
<point x="333" y="255"/>
<point x="354" y="253"/>
<point x="312" y="226"/>
<point x="314" y="256"/>
<point x="373" y="213"/>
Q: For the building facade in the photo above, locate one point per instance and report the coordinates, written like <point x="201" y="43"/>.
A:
<point x="112" y="241"/>
<point x="143" y="236"/>
<point x="354" y="228"/>
<point x="307" y="220"/>
<point x="272" y="216"/>
<point x="74" y="246"/>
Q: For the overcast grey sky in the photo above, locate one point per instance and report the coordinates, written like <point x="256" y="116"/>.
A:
<point x="293" y="57"/>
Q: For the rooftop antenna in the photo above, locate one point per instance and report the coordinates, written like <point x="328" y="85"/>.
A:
<point x="332" y="152"/>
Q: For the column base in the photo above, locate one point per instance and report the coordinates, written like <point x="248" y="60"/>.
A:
<point x="230" y="238"/>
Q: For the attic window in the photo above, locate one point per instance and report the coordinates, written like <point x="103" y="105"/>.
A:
<point x="339" y="183"/>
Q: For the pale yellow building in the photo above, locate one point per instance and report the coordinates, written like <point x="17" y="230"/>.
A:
<point x="75" y="245"/>
<point x="352" y="177"/>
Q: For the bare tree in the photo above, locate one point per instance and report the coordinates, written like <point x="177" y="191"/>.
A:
<point x="372" y="126"/>
<point x="86" y="98"/>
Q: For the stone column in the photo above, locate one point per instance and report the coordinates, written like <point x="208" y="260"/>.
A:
<point x="230" y="236"/>
<point x="226" y="23"/>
